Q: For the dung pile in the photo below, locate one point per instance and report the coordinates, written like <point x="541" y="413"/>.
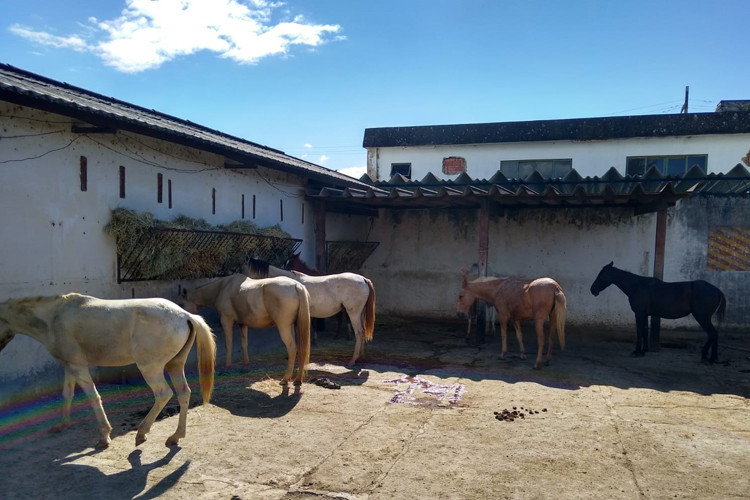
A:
<point x="516" y="413"/>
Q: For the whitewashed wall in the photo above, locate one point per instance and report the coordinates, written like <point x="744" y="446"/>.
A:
<point x="53" y="233"/>
<point x="416" y="267"/>
<point x="590" y="158"/>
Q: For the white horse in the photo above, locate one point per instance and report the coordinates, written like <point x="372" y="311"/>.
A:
<point x="329" y="294"/>
<point x="259" y="304"/>
<point x="80" y="331"/>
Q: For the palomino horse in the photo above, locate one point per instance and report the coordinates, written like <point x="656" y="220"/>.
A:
<point x="516" y="299"/>
<point x="329" y="294"/>
<point x="654" y="297"/>
<point x="259" y="304"/>
<point x="79" y="331"/>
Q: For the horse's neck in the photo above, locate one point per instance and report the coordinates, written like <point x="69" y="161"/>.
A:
<point x="31" y="317"/>
<point x="625" y="281"/>
<point x="207" y="295"/>
<point x="483" y="290"/>
<point x="274" y="272"/>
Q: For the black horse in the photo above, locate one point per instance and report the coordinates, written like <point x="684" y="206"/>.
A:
<point x="654" y="297"/>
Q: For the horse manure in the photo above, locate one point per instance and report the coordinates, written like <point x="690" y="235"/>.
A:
<point x="516" y="413"/>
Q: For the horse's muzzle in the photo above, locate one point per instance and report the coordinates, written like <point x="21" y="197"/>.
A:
<point x="594" y="292"/>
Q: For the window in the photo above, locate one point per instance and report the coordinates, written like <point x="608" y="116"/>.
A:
<point x="454" y="165"/>
<point x="401" y="168"/>
<point x="520" y="169"/>
<point x="668" y="165"/>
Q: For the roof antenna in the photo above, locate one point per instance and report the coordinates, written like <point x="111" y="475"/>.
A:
<point x="685" y="106"/>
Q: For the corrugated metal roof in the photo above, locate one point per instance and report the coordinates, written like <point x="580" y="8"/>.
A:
<point x="644" y="193"/>
<point x="736" y="121"/>
<point x="28" y="89"/>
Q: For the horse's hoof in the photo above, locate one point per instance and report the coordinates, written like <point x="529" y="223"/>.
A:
<point x="171" y="441"/>
<point x="297" y="383"/>
<point x="284" y="382"/>
<point x="139" y="439"/>
<point x="103" y="444"/>
<point x="58" y="428"/>
<point x="537" y="367"/>
<point x="546" y="363"/>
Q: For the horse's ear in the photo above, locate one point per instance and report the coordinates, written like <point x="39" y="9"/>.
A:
<point x="610" y="264"/>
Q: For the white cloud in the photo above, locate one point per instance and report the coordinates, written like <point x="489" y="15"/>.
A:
<point x="308" y="145"/>
<point x="149" y="33"/>
<point x="323" y="159"/>
<point x="355" y="172"/>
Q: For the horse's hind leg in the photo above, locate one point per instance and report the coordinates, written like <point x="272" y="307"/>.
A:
<point x="539" y="325"/>
<point x="243" y="340"/>
<point x="712" y="343"/>
<point x="359" y="335"/>
<point x="154" y="377"/>
<point x="287" y="336"/>
<point x="552" y="333"/>
<point x="176" y="370"/>
<point x="519" y="338"/>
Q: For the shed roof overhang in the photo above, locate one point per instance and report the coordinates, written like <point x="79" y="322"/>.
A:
<point x="643" y="194"/>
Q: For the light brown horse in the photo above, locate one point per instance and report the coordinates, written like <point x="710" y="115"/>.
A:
<point x="79" y="331"/>
<point x="329" y="294"/>
<point x="259" y="304"/>
<point x="517" y="299"/>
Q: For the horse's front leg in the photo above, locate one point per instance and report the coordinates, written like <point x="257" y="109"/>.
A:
<point x="539" y="325"/>
<point x="519" y="338"/>
<point x="68" y="390"/>
<point x="82" y="375"/>
<point x="641" y="335"/>
<point x="227" y="324"/>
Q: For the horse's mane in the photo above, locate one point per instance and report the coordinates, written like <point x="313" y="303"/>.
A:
<point x="257" y="266"/>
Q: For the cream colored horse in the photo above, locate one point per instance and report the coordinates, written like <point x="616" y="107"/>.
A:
<point x="79" y="331"/>
<point x="329" y="294"/>
<point x="259" y="304"/>
<point x="517" y="299"/>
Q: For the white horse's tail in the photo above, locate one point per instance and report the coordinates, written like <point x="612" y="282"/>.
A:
<point x="303" y="331"/>
<point x="368" y="313"/>
<point x="206" y="355"/>
<point x="558" y="315"/>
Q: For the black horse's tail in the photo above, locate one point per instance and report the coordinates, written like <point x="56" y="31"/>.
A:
<point x="722" y="309"/>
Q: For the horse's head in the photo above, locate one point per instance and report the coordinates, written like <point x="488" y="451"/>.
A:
<point x="603" y="280"/>
<point x="466" y="297"/>
<point x="186" y="301"/>
<point x="6" y="334"/>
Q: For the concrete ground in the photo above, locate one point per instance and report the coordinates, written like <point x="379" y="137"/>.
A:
<point x="418" y="418"/>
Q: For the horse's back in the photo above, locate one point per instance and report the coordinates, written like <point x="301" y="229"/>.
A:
<point x="117" y="332"/>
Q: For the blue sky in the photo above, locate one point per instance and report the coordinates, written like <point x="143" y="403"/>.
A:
<point x="308" y="77"/>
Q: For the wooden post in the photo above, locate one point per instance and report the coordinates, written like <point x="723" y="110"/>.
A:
<point x="320" y="236"/>
<point x="484" y="238"/>
<point x="661" y="240"/>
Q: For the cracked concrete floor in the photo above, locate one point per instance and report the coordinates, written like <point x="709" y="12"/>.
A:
<point x="597" y="424"/>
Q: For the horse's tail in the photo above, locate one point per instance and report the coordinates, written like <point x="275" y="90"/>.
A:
<point x="303" y="331"/>
<point x="206" y="355"/>
<point x="722" y="309"/>
<point x="558" y="315"/>
<point x="368" y="313"/>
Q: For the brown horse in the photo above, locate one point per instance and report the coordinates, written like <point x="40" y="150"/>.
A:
<point x="259" y="304"/>
<point x="517" y="300"/>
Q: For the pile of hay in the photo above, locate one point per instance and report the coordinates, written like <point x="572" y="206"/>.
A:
<point x="149" y="248"/>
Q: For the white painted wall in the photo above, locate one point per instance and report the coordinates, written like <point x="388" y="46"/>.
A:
<point x="590" y="158"/>
<point x="53" y="233"/>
